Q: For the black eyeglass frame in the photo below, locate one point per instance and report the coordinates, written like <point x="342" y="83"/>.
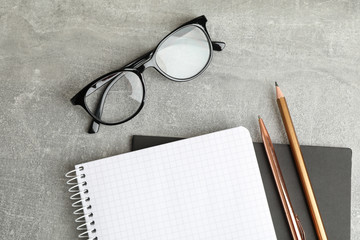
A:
<point x="137" y="67"/>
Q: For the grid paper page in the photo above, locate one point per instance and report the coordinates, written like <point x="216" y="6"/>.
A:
<point x="206" y="187"/>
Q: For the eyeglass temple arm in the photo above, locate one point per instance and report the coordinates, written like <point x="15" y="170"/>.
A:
<point x="94" y="127"/>
<point x="218" y="46"/>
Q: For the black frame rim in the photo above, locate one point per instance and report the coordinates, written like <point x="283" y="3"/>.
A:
<point x="96" y="119"/>
<point x="204" y="30"/>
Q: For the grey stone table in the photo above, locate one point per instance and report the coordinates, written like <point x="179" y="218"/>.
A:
<point x="50" y="49"/>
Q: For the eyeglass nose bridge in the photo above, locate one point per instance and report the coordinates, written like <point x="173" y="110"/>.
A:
<point x="141" y="63"/>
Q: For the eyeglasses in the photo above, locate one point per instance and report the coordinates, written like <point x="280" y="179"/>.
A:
<point x="118" y="96"/>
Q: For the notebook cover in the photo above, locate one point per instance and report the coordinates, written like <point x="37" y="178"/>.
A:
<point x="329" y="169"/>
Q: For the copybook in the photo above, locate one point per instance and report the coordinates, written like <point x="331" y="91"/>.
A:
<point x="206" y="187"/>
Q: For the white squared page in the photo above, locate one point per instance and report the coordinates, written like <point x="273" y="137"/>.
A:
<point x="206" y="187"/>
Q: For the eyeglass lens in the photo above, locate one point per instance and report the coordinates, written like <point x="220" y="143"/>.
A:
<point x="184" y="53"/>
<point x="121" y="96"/>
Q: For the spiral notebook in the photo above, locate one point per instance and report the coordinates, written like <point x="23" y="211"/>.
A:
<point x="206" y="187"/>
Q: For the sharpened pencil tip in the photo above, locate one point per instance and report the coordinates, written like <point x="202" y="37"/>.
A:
<point x="276" y="85"/>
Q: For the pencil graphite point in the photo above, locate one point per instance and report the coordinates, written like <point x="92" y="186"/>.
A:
<point x="279" y="93"/>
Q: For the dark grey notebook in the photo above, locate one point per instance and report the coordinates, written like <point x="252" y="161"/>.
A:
<point x="330" y="173"/>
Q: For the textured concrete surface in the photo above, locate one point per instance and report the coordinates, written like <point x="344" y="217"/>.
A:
<point x="50" y="49"/>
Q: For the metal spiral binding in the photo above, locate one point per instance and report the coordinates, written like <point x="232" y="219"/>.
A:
<point x="79" y="197"/>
